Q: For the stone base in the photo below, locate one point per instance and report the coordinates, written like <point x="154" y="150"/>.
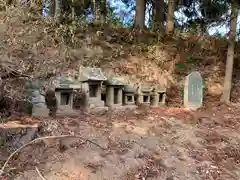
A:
<point x="161" y="104"/>
<point x="96" y="102"/>
<point x="146" y="104"/>
<point x="40" y="112"/>
<point x="130" y="106"/>
<point x="125" y="107"/>
<point x="115" y="106"/>
<point x="98" y="109"/>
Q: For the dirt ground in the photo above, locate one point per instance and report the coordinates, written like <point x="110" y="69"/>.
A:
<point x="152" y="144"/>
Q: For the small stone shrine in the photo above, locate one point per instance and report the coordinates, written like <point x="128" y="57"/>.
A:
<point x="158" y="97"/>
<point x="92" y="80"/>
<point x="193" y="91"/>
<point x="64" y="87"/>
<point x="91" y="89"/>
<point x="114" y="92"/>
<point x="34" y="95"/>
<point x="129" y="96"/>
<point x="144" y="95"/>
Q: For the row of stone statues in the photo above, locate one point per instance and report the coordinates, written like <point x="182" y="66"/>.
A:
<point x="94" y="90"/>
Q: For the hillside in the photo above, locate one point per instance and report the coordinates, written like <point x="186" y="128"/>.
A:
<point x="165" y="143"/>
<point x="41" y="50"/>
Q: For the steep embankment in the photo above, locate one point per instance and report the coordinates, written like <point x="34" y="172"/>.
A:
<point x="38" y="48"/>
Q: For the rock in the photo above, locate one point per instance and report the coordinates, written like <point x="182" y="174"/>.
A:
<point x="215" y="89"/>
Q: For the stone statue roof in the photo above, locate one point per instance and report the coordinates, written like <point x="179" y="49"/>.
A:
<point x="129" y="88"/>
<point x="91" y="74"/>
<point x="115" y="81"/>
<point x="66" y="82"/>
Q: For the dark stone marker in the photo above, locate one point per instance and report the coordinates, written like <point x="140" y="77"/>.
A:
<point x="193" y="91"/>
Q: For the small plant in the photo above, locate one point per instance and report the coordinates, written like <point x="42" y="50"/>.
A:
<point x="3" y="120"/>
<point x="2" y="142"/>
<point x="180" y="66"/>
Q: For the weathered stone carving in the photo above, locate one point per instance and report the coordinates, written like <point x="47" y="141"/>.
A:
<point x="33" y="90"/>
<point x="114" y="92"/>
<point x="193" y="91"/>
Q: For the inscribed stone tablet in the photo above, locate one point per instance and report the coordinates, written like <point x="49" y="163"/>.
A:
<point x="193" y="91"/>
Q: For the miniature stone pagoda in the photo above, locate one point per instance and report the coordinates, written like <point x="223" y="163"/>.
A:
<point x="92" y="80"/>
<point x="129" y="96"/>
<point x="114" y="92"/>
<point x="158" y="97"/>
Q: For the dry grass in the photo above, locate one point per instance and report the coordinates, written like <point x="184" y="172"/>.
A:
<point x="37" y="47"/>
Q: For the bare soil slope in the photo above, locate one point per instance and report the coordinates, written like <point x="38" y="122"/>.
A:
<point x="36" y="47"/>
<point x="168" y="144"/>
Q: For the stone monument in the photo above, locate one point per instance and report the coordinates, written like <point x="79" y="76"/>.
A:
<point x="37" y="99"/>
<point x="64" y="87"/>
<point x="114" y="92"/>
<point x="92" y="80"/>
<point x="193" y="91"/>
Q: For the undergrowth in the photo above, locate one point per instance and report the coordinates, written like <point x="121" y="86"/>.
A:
<point x="42" y="49"/>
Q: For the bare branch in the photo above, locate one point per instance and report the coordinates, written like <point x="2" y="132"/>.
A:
<point x="42" y="138"/>
<point x="40" y="175"/>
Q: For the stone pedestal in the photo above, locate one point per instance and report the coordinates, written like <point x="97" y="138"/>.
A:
<point x="64" y="98"/>
<point x="162" y="101"/>
<point x="155" y="99"/>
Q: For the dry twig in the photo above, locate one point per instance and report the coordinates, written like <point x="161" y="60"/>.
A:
<point x="41" y="138"/>
<point x="41" y="176"/>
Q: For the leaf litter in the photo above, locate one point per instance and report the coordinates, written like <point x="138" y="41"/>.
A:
<point x="154" y="144"/>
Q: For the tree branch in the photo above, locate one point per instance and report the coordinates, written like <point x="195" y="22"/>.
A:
<point x="42" y="138"/>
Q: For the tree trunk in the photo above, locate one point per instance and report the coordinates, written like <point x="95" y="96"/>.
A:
<point x="140" y="14"/>
<point x="73" y="9"/>
<point x="170" y="17"/>
<point x="52" y="8"/>
<point x="58" y="11"/>
<point x="99" y="8"/>
<point x="158" y="14"/>
<point x="103" y="11"/>
<point x="230" y="55"/>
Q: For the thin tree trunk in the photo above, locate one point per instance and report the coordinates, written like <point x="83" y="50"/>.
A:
<point x="140" y="14"/>
<point x="99" y="8"/>
<point x="58" y="11"/>
<point x="230" y="55"/>
<point x="158" y="14"/>
<point x="103" y="11"/>
<point x="170" y="17"/>
<point x="52" y="8"/>
<point x="73" y="9"/>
